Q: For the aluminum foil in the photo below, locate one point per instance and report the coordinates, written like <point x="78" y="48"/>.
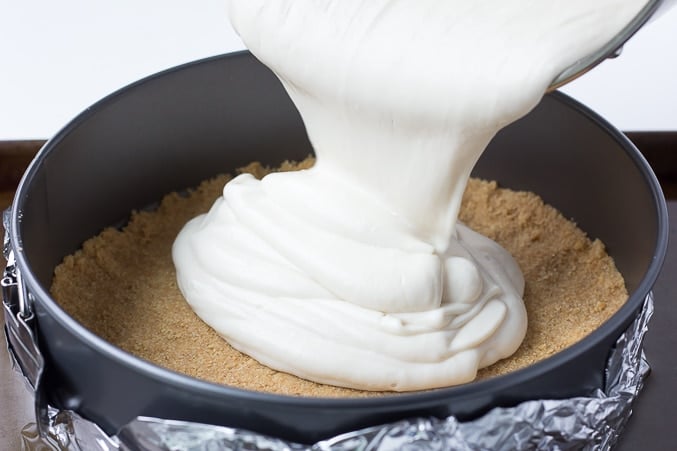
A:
<point x="584" y="423"/>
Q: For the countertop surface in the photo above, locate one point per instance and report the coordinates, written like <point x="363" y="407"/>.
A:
<point x="652" y="425"/>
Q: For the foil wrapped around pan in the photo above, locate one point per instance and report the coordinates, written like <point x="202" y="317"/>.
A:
<point x="593" y="422"/>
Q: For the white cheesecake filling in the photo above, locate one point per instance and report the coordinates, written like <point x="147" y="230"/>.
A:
<point x="356" y="272"/>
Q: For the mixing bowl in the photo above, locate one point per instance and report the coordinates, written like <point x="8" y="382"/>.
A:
<point x="174" y="129"/>
<point x="651" y="11"/>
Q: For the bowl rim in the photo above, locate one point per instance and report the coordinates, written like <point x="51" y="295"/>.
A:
<point x="179" y="380"/>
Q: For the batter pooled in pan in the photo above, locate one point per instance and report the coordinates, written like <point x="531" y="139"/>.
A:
<point x="359" y="274"/>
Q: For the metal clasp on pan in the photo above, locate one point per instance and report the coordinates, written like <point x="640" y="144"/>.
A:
<point x="19" y="319"/>
<point x="20" y="332"/>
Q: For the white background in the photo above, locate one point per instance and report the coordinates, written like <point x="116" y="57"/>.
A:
<point x="59" y="56"/>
